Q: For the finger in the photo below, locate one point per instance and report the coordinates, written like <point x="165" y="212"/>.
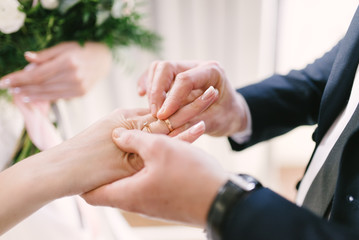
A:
<point x="193" y="109"/>
<point x="56" y="82"/>
<point x="36" y="75"/>
<point x="162" y="81"/>
<point x="47" y="92"/>
<point x="142" y="123"/>
<point x="200" y="77"/>
<point x="149" y="80"/>
<point x="163" y="77"/>
<point x="141" y="84"/>
<point x="121" y="194"/>
<point x="132" y="141"/>
<point x="49" y="53"/>
<point x="185" y="114"/>
<point x="193" y="133"/>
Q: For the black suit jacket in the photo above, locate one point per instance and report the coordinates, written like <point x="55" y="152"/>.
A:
<point x="314" y="95"/>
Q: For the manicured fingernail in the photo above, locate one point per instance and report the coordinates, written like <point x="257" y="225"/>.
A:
<point x="16" y="90"/>
<point x="161" y="111"/>
<point x="26" y="99"/>
<point x="5" y="83"/>
<point x="30" y="55"/>
<point x="209" y="93"/>
<point x="29" y="67"/>
<point x="198" y="128"/>
<point x="153" y="109"/>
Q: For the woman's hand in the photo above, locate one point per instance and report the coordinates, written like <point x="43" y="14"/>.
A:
<point x="86" y="161"/>
<point x="64" y="71"/>
<point x="170" y="85"/>
<point x="178" y="182"/>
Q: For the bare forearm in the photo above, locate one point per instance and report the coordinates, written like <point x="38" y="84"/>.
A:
<point x="26" y="187"/>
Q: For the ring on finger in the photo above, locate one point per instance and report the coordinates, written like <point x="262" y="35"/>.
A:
<point x="168" y="124"/>
<point x="146" y="125"/>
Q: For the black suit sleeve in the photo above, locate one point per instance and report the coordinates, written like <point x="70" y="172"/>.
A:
<point x="282" y="102"/>
<point x="265" y="215"/>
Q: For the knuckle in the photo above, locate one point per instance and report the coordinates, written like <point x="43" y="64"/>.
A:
<point x="215" y="68"/>
<point x="185" y="81"/>
<point x="151" y="148"/>
<point x="128" y="138"/>
<point x="162" y="66"/>
<point x="72" y="63"/>
<point x="183" y="78"/>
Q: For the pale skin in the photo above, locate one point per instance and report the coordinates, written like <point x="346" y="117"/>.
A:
<point x="170" y="186"/>
<point x="170" y="84"/>
<point x="76" y="166"/>
<point x="180" y="182"/>
<point x="65" y="71"/>
<point x="87" y="161"/>
<point x="90" y="155"/>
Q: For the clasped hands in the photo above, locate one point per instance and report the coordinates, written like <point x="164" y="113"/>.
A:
<point x="113" y="162"/>
<point x="176" y="182"/>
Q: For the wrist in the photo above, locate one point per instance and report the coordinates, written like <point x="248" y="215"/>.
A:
<point x="235" y="190"/>
<point x="241" y="115"/>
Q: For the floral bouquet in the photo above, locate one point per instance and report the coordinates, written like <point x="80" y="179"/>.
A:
<point x="33" y="25"/>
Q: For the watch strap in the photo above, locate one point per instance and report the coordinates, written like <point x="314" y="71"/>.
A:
<point x="228" y="195"/>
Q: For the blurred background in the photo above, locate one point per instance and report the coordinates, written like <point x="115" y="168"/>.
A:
<point x="251" y="39"/>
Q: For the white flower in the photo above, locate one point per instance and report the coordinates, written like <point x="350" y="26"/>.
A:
<point x="129" y="6"/>
<point x="11" y="19"/>
<point x="49" y="4"/>
<point x="116" y="9"/>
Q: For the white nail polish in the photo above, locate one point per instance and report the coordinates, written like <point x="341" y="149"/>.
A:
<point x="208" y="93"/>
<point x="197" y="128"/>
<point x="26" y="99"/>
<point x="16" y="90"/>
<point x="30" y="55"/>
<point x="29" y="67"/>
<point x="5" y="83"/>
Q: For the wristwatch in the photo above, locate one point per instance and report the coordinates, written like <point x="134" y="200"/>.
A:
<point x="237" y="188"/>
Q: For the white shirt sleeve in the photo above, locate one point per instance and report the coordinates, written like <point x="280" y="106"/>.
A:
<point x="243" y="136"/>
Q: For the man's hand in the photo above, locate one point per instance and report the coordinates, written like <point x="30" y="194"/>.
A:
<point x="171" y="85"/>
<point x="178" y="182"/>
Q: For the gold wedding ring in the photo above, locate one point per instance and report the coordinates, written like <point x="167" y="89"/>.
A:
<point x="168" y="124"/>
<point x="147" y="126"/>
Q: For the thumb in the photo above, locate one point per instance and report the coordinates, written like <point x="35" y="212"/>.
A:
<point x="122" y="193"/>
<point x="132" y="141"/>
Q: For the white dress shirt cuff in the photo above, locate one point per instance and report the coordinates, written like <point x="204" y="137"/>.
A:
<point x="243" y="136"/>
